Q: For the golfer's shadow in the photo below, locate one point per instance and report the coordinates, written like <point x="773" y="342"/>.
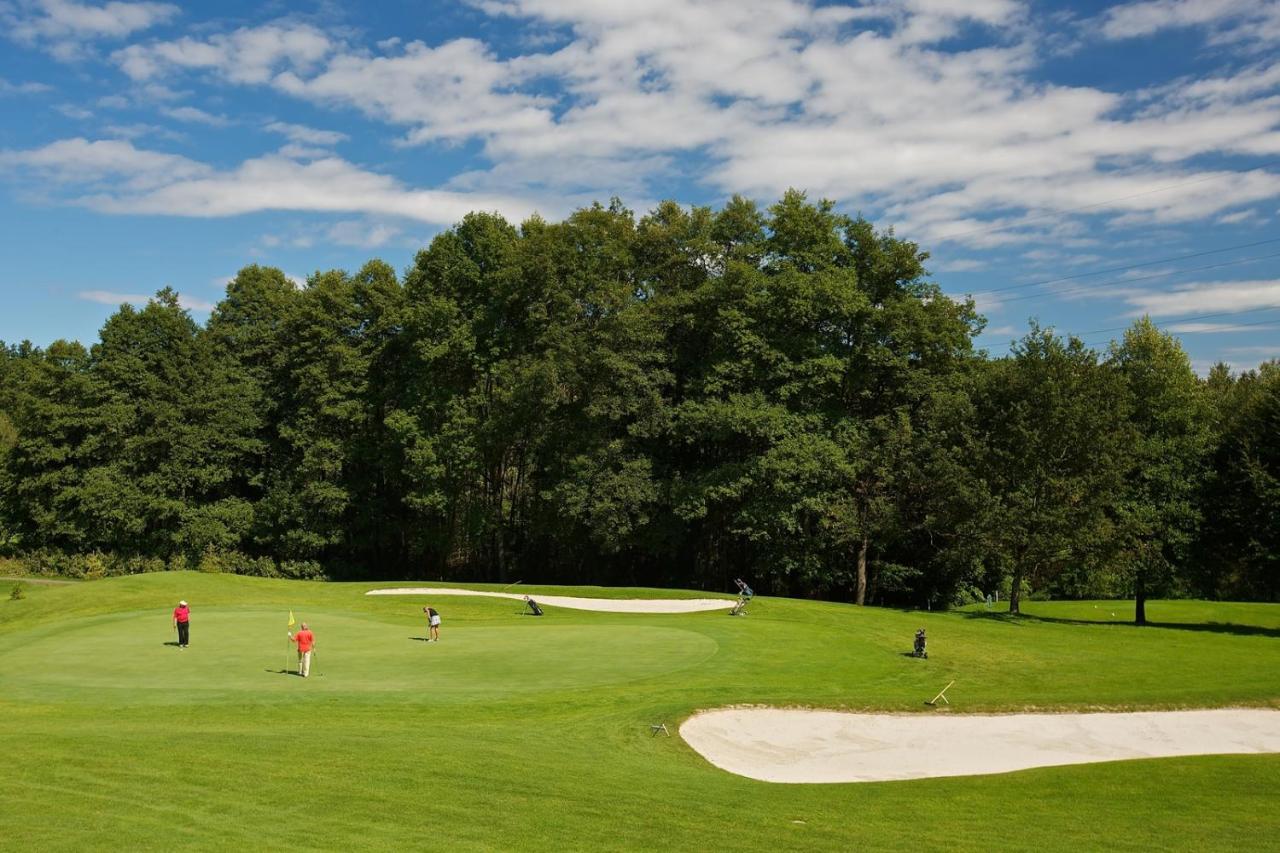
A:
<point x="283" y="672"/>
<point x="421" y="639"/>
<point x="173" y="643"/>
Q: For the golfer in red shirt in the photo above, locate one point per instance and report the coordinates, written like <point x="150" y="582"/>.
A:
<point x="306" y="642"/>
<point x="182" y="621"/>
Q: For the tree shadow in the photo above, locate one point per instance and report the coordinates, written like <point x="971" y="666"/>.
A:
<point x="1211" y="627"/>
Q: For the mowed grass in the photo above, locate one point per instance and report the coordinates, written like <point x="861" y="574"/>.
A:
<point x="519" y="733"/>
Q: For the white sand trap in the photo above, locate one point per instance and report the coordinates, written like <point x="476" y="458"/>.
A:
<point x="775" y="745"/>
<point x="610" y="605"/>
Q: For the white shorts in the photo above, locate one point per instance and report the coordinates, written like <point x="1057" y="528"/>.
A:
<point x="435" y="621"/>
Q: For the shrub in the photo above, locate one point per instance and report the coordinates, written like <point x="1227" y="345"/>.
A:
<point x="211" y="561"/>
<point x="305" y="570"/>
<point x="17" y="594"/>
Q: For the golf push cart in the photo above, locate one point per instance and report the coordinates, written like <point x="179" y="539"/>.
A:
<point x="745" y="594"/>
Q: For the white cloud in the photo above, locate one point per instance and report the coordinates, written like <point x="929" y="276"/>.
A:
<point x="248" y="55"/>
<point x="28" y="88"/>
<point x="306" y="135"/>
<point x="1204" y="297"/>
<point x="1132" y="20"/>
<point x="107" y="297"/>
<point x="959" y="142"/>
<point x="74" y="111"/>
<point x="364" y="234"/>
<point x="113" y="176"/>
<point x="196" y="116"/>
<point x="104" y="165"/>
<point x="64" y="27"/>
<point x="959" y="265"/>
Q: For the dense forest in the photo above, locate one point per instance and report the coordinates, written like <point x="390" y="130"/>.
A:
<point x="678" y="399"/>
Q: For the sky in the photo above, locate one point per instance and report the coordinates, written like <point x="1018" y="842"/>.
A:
<point x="1078" y="164"/>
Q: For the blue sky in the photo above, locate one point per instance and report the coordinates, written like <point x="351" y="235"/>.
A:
<point x="1080" y="163"/>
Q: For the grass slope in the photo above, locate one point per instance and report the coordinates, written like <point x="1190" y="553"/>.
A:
<point x="523" y="733"/>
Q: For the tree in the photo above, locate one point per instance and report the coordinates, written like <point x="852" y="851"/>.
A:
<point x="1158" y="512"/>
<point x="1054" y="427"/>
<point x="1239" y="547"/>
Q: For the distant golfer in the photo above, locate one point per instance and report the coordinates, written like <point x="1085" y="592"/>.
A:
<point x="306" y="642"/>
<point x="433" y="624"/>
<point x="182" y="621"/>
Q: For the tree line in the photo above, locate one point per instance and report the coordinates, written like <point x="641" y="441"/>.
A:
<point x="675" y="399"/>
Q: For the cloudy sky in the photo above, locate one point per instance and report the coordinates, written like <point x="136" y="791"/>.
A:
<point x="1079" y="163"/>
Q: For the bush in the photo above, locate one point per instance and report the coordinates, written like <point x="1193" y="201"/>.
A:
<point x="303" y="570"/>
<point x="17" y="594"/>
<point x="211" y="561"/>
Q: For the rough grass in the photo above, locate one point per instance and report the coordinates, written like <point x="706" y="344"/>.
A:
<point x="524" y="733"/>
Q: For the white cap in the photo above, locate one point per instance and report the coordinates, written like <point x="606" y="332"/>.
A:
<point x="182" y="604"/>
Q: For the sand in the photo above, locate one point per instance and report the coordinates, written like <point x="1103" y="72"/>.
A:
<point x="775" y="745"/>
<point x="609" y="605"/>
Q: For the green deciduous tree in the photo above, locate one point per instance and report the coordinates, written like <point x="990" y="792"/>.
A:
<point x="1055" y="428"/>
<point x="1158" y="512"/>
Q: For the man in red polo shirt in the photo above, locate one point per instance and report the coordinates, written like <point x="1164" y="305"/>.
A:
<point x="306" y="642"/>
<point x="182" y="621"/>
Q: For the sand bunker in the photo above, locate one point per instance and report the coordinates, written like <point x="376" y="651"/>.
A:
<point x="610" y="605"/>
<point x="775" y="745"/>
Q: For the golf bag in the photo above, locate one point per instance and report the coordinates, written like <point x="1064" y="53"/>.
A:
<point x="745" y="594"/>
<point x="920" y="650"/>
<point x="534" y="609"/>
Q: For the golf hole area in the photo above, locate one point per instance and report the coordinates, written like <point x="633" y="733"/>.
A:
<point x="244" y="654"/>
<point x="798" y="746"/>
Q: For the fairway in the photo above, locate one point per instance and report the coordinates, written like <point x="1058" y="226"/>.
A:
<point x="518" y="733"/>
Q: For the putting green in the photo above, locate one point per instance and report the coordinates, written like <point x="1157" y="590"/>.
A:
<point x="238" y="654"/>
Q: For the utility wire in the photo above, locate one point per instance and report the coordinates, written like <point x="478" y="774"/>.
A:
<point x="1202" y="332"/>
<point x="1192" y="317"/>
<point x="1127" y="267"/>
<point x="1123" y="281"/>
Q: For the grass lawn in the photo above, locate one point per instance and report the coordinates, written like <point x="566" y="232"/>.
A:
<point x="523" y="733"/>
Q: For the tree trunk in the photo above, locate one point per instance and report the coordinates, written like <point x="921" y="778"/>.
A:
<point x="862" y="573"/>
<point x="1015" y="590"/>
<point x="1140" y="598"/>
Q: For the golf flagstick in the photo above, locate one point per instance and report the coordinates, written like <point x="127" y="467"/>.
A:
<point x="288" y="642"/>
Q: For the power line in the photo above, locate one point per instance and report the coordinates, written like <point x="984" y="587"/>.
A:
<point x="1192" y="317"/>
<point x="1166" y="274"/>
<point x="1204" y="332"/>
<point x="1127" y="267"/>
<point x="1056" y="213"/>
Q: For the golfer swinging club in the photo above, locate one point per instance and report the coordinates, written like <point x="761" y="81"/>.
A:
<point x="306" y="642"/>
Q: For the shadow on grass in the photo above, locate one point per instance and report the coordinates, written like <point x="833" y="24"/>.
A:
<point x="172" y="643"/>
<point x="421" y="639"/>
<point x="1211" y="627"/>
<point x="292" y="672"/>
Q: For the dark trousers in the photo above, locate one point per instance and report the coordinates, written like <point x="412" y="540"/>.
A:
<point x="184" y="631"/>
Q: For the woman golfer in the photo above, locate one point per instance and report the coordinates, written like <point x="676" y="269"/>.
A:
<point x="433" y="621"/>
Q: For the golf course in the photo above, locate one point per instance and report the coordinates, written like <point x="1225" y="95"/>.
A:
<point x="515" y="732"/>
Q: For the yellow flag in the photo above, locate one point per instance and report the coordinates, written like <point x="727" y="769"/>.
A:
<point x="291" y="619"/>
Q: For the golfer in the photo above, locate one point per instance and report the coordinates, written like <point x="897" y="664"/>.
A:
<point x="182" y="621"/>
<point x="306" y="642"/>
<point x="433" y="622"/>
